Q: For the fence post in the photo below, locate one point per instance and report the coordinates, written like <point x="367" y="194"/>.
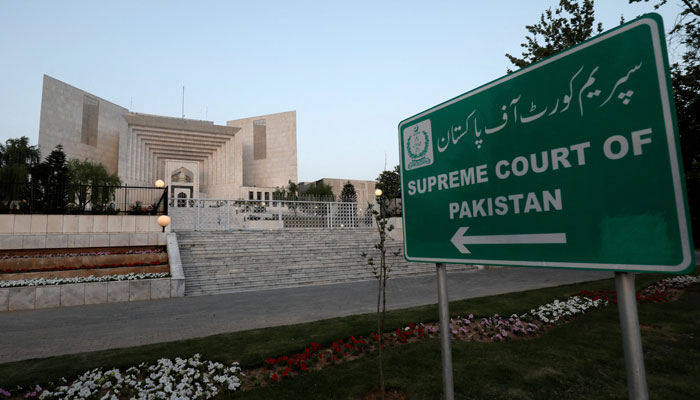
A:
<point x="31" y="197"/>
<point x="166" y="200"/>
<point x="126" y="190"/>
<point x="353" y="212"/>
<point x="196" y="225"/>
<point x="330" y="215"/>
<point x="279" y="214"/>
<point x="228" y="215"/>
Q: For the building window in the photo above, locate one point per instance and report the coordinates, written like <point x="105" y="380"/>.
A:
<point x="181" y="202"/>
<point x="91" y="112"/>
<point x="259" y="196"/>
<point x="267" y="196"/>
<point x="259" y="139"/>
<point x="250" y="195"/>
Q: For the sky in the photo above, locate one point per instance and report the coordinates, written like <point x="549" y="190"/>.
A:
<point x="351" y="70"/>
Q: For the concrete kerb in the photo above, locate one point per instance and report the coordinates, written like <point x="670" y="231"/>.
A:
<point x="78" y="294"/>
<point x="177" y="275"/>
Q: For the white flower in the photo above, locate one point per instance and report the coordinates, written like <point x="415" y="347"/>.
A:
<point x="189" y="378"/>
<point x="91" y="278"/>
<point x="552" y="312"/>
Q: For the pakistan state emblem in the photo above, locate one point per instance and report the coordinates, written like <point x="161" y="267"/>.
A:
<point x="418" y="145"/>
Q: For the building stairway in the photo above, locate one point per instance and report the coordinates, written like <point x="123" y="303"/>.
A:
<point x="247" y="260"/>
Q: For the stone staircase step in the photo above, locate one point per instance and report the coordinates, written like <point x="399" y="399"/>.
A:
<point x="233" y="261"/>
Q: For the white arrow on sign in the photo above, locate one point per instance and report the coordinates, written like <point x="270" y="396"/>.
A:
<point x="459" y="239"/>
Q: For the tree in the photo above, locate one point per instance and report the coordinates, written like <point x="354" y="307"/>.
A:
<point x="93" y="176"/>
<point x="18" y="151"/>
<point x="57" y="169"/>
<point x="289" y="192"/>
<point x="381" y="273"/>
<point x="17" y="159"/>
<point x="52" y="175"/>
<point x="390" y="183"/>
<point x="319" y="190"/>
<point x="566" y="26"/>
<point x="348" y="193"/>
<point x="292" y="188"/>
<point x="280" y="194"/>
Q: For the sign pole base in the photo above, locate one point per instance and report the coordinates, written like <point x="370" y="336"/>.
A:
<point x="631" y="337"/>
<point x="445" y="346"/>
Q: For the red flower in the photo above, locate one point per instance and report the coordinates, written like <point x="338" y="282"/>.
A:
<point x="270" y="361"/>
<point x="274" y="377"/>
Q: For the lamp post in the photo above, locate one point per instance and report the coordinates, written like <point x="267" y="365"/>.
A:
<point x="163" y="198"/>
<point x="378" y="193"/>
<point x="163" y="221"/>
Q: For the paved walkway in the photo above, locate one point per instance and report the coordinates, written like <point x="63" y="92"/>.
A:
<point x="51" y="332"/>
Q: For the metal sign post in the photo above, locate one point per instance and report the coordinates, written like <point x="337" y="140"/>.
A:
<point x="631" y="337"/>
<point x="445" y="347"/>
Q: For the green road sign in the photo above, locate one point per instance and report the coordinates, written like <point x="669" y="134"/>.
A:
<point x="572" y="162"/>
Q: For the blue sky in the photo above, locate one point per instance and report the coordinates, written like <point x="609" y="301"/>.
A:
<point x="351" y="70"/>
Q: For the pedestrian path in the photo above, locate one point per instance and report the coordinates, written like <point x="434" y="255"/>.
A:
<point x="51" y="332"/>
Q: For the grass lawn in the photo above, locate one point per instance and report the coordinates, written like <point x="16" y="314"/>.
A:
<point x="580" y="359"/>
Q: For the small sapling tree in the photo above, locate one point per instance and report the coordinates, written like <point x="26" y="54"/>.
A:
<point x="381" y="273"/>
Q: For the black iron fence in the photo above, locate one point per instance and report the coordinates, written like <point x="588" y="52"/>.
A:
<point x="31" y="198"/>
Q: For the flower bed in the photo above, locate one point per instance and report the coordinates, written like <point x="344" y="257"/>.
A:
<point x="552" y="312"/>
<point x="662" y="290"/>
<point x="72" y="253"/>
<point x="190" y="378"/>
<point x="55" y="260"/>
<point x="495" y="328"/>
<point x="197" y="379"/>
<point x="54" y="264"/>
<point x="60" y="281"/>
<point x="78" y="267"/>
<point x="487" y="329"/>
<point x="316" y="357"/>
<point x="138" y="208"/>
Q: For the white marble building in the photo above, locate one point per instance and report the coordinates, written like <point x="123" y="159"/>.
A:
<point x="246" y="159"/>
